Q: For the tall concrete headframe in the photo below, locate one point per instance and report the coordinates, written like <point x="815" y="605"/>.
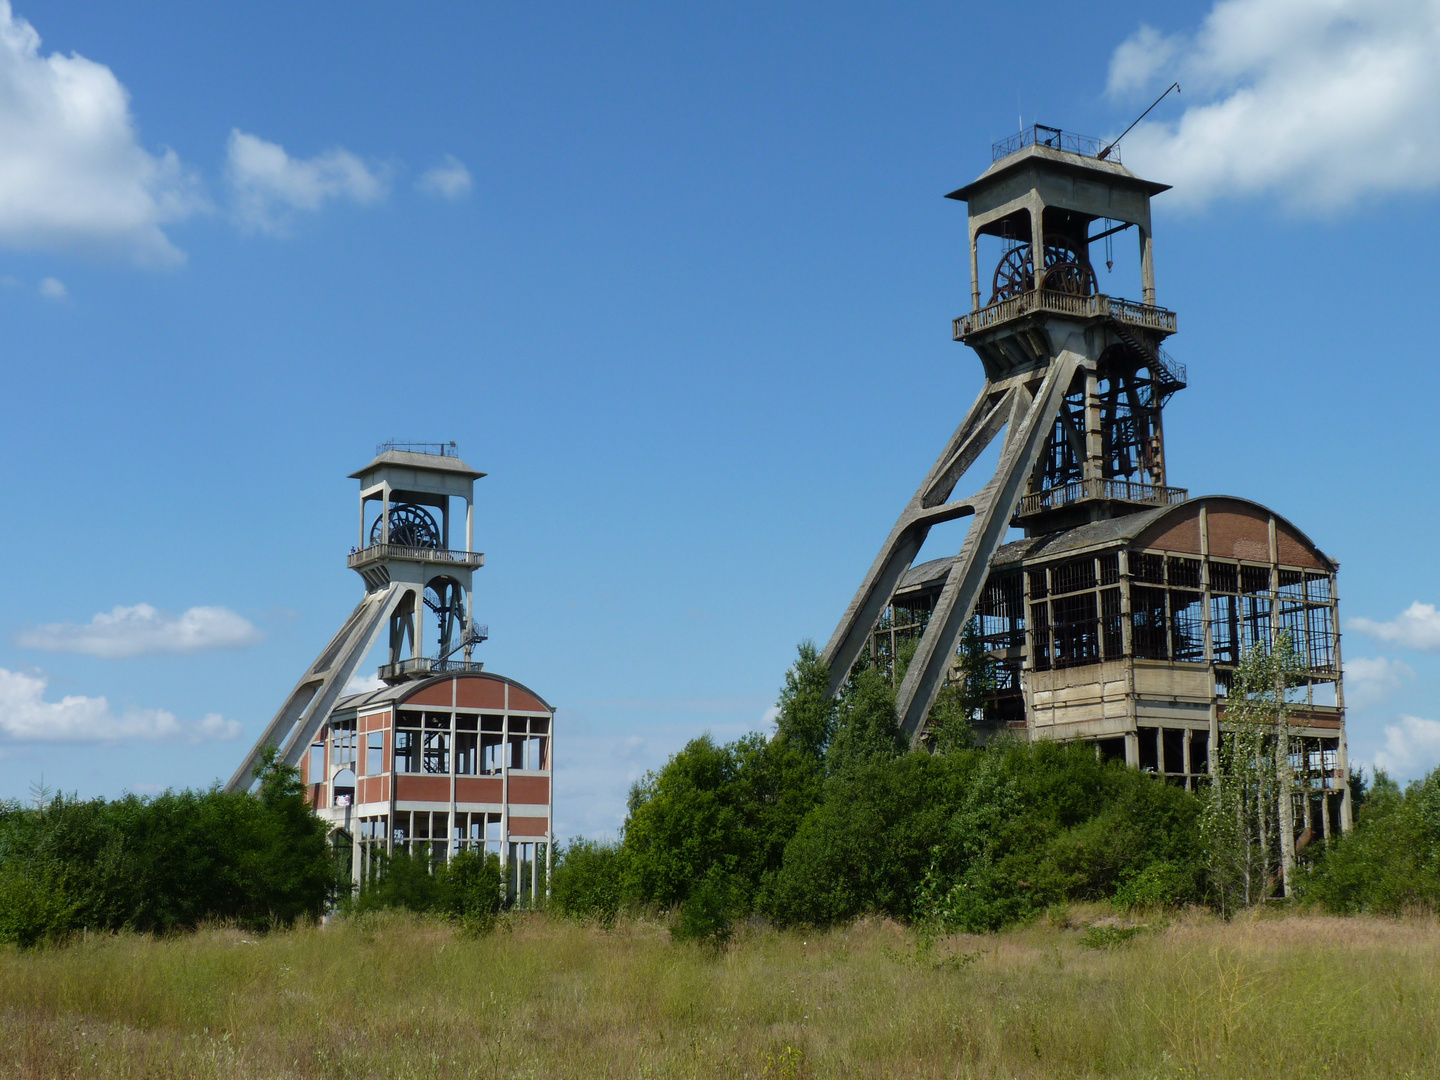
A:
<point x="414" y="499"/>
<point x="1121" y="614"/>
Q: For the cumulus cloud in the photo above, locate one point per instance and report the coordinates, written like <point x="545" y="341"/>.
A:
<point x="269" y="185"/>
<point x="142" y="630"/>
<point x="1370" y="681"/>
<point x="25" y="716"/>
<point x="1417" y="627"/>
<point x="1412" y="747"/>
<point x="1321" y="103"/>
<point x="73" y="175"/>
<point x="448" y="180"/>
<point x="53" y="289"/>
<point x="362" y="684"/>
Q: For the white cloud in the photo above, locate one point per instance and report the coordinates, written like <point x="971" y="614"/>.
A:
<point x="1370" y="681"/>
<point x="73" y="175"/>
<point x="1412" y="748"/>
<point x="1320" y="103"/>
<point x="53" y="289"/>
<point x="362" y="684"/>
<point x="449" y="180"/>
<point x="769" y="716"/>
<point x="141" y="630"/>
<point x="1417" y="627"/>
<point x="26" y="716"/>
<point x="269" y="185"/>
<point x="1140" y="59"/>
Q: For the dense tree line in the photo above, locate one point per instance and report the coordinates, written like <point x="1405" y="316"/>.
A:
<point x="834" y="816"/>
<point x="164" y="863"/>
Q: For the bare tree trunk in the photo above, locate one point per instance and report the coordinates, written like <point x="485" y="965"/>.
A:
<point x="1285" y="780"/>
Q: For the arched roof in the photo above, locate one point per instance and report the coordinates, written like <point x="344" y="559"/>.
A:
<point x="403" y="692"/>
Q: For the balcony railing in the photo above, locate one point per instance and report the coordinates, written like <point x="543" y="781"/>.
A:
<point x="425" y="665"/>
<point x="1057" y="303"/>
<point x="1055" y="139"/>
<point x="1081" y="490"/>
<point x="376" y="552"/>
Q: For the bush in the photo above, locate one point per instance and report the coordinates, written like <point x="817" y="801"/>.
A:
<point x="587" y="880"/>
<point x="708" y="914"/>
<point x="467" y="888"/>
<point x="1390" y="863"/>
<point x="162" y="864"/>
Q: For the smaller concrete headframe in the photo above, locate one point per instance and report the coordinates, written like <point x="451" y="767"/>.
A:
<point x="404" y="556"/>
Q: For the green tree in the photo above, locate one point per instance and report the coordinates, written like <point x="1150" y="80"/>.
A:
<point x="588" y="878"/>
<point x="866" y="726"/>
<point x="1249" y="816"/>
<point x="806" y="718"/>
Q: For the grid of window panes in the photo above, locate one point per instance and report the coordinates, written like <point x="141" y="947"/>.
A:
<point x="461" y="744"/>
<point x="1075" y="612"/>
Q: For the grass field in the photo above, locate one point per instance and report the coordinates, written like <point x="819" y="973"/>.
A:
<point x="1288" y="997"/>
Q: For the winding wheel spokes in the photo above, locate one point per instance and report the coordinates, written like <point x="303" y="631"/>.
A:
<point x="1067" y="270"/>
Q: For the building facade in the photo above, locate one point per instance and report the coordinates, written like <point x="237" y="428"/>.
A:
<point x="1114" y="607"/>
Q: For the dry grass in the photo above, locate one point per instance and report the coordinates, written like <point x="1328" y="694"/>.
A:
<point x="1279" y="997"/>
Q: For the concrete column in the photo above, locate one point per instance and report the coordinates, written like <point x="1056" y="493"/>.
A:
<point x="974" y="274"/>
<point x="385" y="514"/>
<point x="469" y="525"/>
<point x="1094" y="438"/>
<point x="1147" y="265"/>
<point x="1037" y="240"/>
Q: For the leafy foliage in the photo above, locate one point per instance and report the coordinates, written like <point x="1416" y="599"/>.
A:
<point x="466" y="888"/>
<point x="1390" y="863"/>
<point x="166" y="863"/>
<point x="587" y="882"/>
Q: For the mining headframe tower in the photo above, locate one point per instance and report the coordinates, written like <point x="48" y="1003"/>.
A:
<point x="443" y="756"/>
<point x="1121" y="615"/>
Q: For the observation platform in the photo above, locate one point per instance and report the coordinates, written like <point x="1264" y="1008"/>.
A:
<point x="422" y="667"/>
<point x="375" y="553"/>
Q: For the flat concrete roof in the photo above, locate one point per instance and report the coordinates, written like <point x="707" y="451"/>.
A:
<point x="1063" y="161"/>
<point x="409" y="459"/>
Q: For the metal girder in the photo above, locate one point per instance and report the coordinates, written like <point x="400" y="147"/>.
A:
<point x="313" y="699"/>
<point x="1027" y="416"/>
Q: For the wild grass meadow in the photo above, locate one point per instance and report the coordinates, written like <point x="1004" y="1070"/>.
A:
<point x="1070" y="995"/>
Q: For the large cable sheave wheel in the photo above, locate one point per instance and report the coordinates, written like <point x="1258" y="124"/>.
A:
<point x="410" y="526"/>
<point x="1066" y="270"/>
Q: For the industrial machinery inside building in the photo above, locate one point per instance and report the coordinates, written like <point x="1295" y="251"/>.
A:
<point x="1120" y="616"/>
<point x="443" y="757"/>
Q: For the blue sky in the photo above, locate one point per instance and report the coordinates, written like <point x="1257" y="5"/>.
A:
<point x="679" y="278"/>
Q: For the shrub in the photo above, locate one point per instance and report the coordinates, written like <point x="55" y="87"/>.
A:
<point x="166" y="863"/>
<point x="587" y="880"/>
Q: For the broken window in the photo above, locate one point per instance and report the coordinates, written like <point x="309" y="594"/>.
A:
<point x="1183" y="573"/>
<point x="1149" y="748"/>
<point x="1110" y="568"/>
<point x="1147" y="632"/>
<point x="1224" y="577"/>
<point x="1225" y="628"/>
<point x="467" y="745"/>
<point x="374" y="753"/>
<point x="1073" y="576"/>
<point x="1146" y="566"/>
<point x="1111" y="625"/>
<point x="1172" y="742"/>
<point x="1254" y="579"/>
<point x="407" y="751"/>
<point x="1040" y="621"/>
<point x="1037" y="584"/>
<point x="435" y="750"/>
<point x="1187" y="639"/>
<point x="343" y="791"/>
<point x="491" y="740"/>
<point x="1077" y="639"/>
<point x="1199" y="752"/>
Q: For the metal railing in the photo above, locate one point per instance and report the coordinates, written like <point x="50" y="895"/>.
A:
<point x="1055" y="139"/>
<point x="1058" y="303"/>
<point x="425" y="665"/>
<point x="375" y="552"/>
<point x="438" y="449"/>
<point x="1080" y="490"/>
